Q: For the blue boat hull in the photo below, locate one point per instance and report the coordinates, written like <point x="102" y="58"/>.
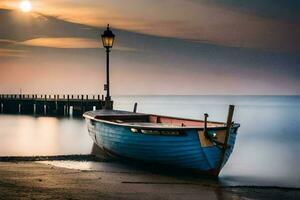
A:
<point x="184" y="151"/>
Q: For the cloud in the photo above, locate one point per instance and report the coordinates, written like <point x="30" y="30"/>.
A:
<point x="278" y="9"/>
<point x="69" y="43"/>
<point x="12" y="52"/>
<point x="163" y="58"/>
<point x="5" y="41"/>
<point x="64" y="43"/>
<point x="215" y="22"/>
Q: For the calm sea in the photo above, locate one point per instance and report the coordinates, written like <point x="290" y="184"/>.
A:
<point x="267" y="148"/>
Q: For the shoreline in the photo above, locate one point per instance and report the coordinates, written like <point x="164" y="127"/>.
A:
<point x="101" y="158"/>
<point x="29" y="180"/>
<point x="74" y="157"/>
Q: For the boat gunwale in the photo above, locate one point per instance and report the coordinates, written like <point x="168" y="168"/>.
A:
<point x="234" y="125"/>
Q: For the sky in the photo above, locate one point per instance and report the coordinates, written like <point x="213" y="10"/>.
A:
<point x="162" y="47"/>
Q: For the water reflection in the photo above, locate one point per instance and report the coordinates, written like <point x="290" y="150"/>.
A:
<point x="30" y="136"/>
<point x="95" y="166"/>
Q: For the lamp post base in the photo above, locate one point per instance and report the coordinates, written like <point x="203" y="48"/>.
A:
<point x="108" y="104"/>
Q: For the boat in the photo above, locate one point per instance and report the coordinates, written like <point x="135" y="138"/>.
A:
<point x="188" y="144"/>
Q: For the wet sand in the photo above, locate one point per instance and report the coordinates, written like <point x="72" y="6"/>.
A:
<point x="32" y="180"/>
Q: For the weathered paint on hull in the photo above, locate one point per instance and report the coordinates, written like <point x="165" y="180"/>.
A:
<point x="178" y="151"/>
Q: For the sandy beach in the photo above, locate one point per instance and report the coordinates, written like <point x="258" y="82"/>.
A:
<point x="32" y="180"/>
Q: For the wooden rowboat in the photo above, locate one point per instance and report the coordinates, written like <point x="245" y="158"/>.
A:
<point x="198" y="145"/>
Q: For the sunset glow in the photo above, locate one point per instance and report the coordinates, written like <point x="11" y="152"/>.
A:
<point x="25" y="6"/>
<point x="188" y="43"/>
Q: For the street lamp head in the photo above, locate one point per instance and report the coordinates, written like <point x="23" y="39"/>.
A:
<point x="108" y="38"/>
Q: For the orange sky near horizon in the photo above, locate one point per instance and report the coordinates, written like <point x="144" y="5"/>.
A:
<point x="162" y="47"/>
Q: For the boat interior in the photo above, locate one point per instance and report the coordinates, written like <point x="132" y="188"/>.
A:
<point x="155" y="120"/>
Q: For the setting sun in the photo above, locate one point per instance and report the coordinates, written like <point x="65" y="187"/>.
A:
<point x="25" y="6"/>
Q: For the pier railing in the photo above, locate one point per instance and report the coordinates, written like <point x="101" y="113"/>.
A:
<point x="42" y="104"/>
<point x="45" y="96"/>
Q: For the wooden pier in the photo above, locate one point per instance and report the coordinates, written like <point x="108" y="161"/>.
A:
<point x="49" y="105"/>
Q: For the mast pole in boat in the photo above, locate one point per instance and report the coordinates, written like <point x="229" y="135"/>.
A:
<point x="135" y="107"/>
<point x="205" y="124"/>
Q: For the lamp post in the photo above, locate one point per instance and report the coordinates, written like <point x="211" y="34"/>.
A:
<point x="108" y="40"/>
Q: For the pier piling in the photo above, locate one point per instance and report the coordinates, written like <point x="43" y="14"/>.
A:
<point x="48" y="105"/>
